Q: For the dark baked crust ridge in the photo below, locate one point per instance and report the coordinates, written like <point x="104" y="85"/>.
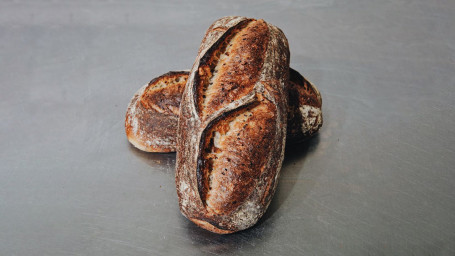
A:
<point x="215" y="31"/>
<point x="210" y="60"/>
<point x="190" y="131"/>
<point x="164" y="93"/>
<point x="307" y="93"/>
<point x="230" y="68"/>
<point x="305" y="108"/>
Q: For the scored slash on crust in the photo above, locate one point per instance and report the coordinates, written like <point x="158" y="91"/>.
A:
<point x="304" y="113"/>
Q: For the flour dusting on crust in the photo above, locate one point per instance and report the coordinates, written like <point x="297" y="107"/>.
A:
<point x="311" y="119"/>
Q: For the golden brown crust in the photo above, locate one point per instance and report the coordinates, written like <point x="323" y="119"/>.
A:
<point x="232" y="159"/>
<point x="152" y="115"/>
<point x="214" y="138"/>
<point x="302" y="95"/>
<point x="230" y="69"/>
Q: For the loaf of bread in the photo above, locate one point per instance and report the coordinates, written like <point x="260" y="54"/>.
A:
<point x="148" y="129"/>
<point x="232" y="125"/>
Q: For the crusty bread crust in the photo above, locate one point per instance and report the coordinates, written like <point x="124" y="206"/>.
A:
<point x="230" y="143"/>
<point x="305" y="108"/>
<point x="152" y="115"/>
<point x="304" y="112"/>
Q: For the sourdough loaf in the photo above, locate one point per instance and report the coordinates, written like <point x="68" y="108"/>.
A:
<point x="232" y="125"/>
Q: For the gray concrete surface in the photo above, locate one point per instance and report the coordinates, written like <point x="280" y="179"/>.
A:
<point x="378" y="180"/>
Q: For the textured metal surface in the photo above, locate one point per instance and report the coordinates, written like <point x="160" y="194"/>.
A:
<point x="378" y="180"/>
